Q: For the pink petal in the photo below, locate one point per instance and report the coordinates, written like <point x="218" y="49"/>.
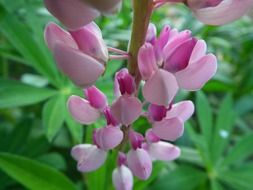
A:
<point x="96" y="98"/>
<point x="89" y="157"/>
<point x="197" y="74"/>
<point x="91" y="43"/>
<point x="176" y="40"/>
<point x="54" y="33"/>
<point x="183" y="110"/>
<point x="108" y="7"/>
<point x="82" y="69"/>
<point x="161" y="88"/>
<point x="126" y="109"/>
<point x="147" y="61"/>
<point x="198" y="51"/>
<point x="151" y="137"/>
<point x="225" y="12"/>
<point x="169" y="129"/>
<point x="151" y="33"/>
<point x="139" y="163"/>
<point x="108" y="137"/>
<point x="163" y="151"/>
<point x="135" y="139"/>
<point x="156" y="113"/>
<point x="124" y="82"/>
<point x="179" y="58"/>
<point x="73" y="14"/>
<point x="122" y="178"/>
<point x="81" y="110"/>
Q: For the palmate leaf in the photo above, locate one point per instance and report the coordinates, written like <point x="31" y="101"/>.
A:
<point x="32" y="174"/>
<point x="13" y="94"/>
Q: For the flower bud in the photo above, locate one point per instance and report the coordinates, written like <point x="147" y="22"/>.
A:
<point x="125" y="82"/>
<point x="88" y="156"/>
<point x="122" y="178"/>
<point x="96" y="98"/>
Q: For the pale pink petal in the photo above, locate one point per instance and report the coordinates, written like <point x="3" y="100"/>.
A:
<point x="176" y="40"/>
<point x="151" y="33"/>
<point x="163" y="151"/>
<point x="82" y="69"/>
<point x="122" y="178"/>
<point x="195" y="75"/>
<point x="126" y="109"/>
<point x="161" y="88"/>
<point x="225" y="12"/>
<point x="81" y="110"/>
<point x="54" y="33"/>
<point x="183" y="110"/>
<point x="169" y="129"/>
<point x="139" y="163"/>
<point x="106" y="7"/>
<point x="96" y="98"/>
<point x="198" y="51"/>
<point x="108" y="137"/>
<point x="88" y="156"/>
<point x="91" y="43"/>
<point x="72" y="13"/>
<point x="179" y="58"/>
<point x="147" y="61"/>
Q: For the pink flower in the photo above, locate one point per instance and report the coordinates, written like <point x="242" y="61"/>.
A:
<point x="175" y="59"/>
<point x="170" y="126"/>
<point x="88" y="111"/>
<point x="122" y="178"/>
<point x="76" y="13"/>
<point x="219" y="12"/>
<point x="80" y="54"/>
<point x="88" y="156"/>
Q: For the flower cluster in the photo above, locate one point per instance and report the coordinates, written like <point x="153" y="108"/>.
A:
<point x="166" y="63"/>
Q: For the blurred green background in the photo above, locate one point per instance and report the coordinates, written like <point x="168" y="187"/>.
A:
<point x="37" y="132"/>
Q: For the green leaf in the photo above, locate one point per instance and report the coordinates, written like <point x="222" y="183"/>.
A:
<point x="190" y="155"/>
<point x="32" y="174"/>
<point x="54" y="115"/>
<point x="183" y="178"/>
<point x="215" y="185"/>
<point x="13" y="94"/>
<point x="225" y="122"/>
<point x="204" y="113"/>
<point x="241" y="151"/>
<point x="239" y="178"/>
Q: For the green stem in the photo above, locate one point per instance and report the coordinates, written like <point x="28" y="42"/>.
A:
<point x="142" y="10"/>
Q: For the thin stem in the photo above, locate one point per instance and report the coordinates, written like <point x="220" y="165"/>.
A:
<point x="142" y="10"/>
<point x="118" y="57"/>
<point x="118" y="51"/>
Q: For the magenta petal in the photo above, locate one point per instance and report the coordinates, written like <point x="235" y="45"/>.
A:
<point x="225" y="12"/>
<point x="96" y="98"/>
<point x="90" y="42"/>
<point x="183" y="110"/>
<point x="156" y="113"/>
<point x="88" y="156"/>
<point x="163" y="151"/>
<point x="82" y="69"/>
<point x="140" y="163"/>
<point x="122" y="178"/>
<point x="195" y="75"/>
<point x="81" y="110"/>
<point x="126" y="109"/>
<point x="147" y="61"/>
<point x="151" y="137"/>
<point x="124" y="82"/>
<point x="161" y="88"/>
<point x="54" y="33"/>
<point x="73" y="14"/>
<point x="108" y="137"/>
<point x="169" y="129"/>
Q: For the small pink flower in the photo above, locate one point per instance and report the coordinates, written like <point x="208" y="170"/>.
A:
<point x="88" y="156"/>
<point x="175" y="59"/>
<point x="139" y="162"/>
<point x="108" y="137"/>
<point x="219" y="12"/>
<point x="88" y="111"/>
<point x="122" y="178"/>
<point x="80" y="54"/>
<point x="170" y="126"/>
